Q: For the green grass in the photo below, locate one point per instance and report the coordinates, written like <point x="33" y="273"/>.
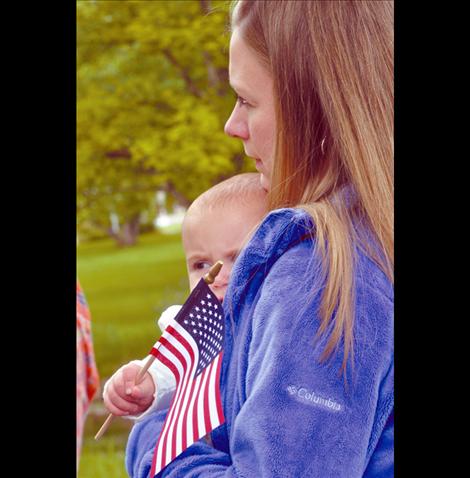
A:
<point x="126" y="290"/>
<point x="104" y="458"/>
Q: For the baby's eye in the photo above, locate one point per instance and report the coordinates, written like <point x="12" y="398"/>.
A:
<point x="199" y="265"/>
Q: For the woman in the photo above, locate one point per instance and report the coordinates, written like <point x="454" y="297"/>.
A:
<point x="307" y="377"/>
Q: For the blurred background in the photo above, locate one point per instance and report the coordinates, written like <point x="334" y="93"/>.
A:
<point x="152" y="100"/>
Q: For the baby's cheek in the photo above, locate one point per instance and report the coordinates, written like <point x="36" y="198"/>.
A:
<point x="194" y="279"/>
<point x="228" y="268"/>
<point x="219" y="292"/>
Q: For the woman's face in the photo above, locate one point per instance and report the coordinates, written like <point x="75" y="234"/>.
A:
<point x="253" y="117"/>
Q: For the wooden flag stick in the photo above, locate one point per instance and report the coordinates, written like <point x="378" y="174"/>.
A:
<point x="208" y="279"/>
<point x="104" y="427"/>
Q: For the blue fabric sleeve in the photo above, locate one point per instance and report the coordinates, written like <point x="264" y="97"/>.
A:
<point x="382" y="462"/>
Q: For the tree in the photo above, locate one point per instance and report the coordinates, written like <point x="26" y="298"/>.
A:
<point x="152" y="99"/>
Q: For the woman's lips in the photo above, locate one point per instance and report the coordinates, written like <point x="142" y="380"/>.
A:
<point x="258" y="162"/>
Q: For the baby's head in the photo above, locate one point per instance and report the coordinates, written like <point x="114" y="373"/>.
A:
<point x="218" y="224"/>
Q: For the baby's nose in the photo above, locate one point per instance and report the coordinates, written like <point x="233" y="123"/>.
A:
<point x="222" y="277"/>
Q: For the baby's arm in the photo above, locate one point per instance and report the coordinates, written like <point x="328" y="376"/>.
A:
<point x="123" y="398"/>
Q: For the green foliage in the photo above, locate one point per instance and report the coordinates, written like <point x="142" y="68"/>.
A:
<point x="152" y="100"/>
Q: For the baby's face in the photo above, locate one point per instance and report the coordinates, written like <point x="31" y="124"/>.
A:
<point x="218" y="234"/>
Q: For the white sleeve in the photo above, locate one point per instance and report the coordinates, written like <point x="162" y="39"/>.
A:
<point x="165" y="385"/>
<point x="162" y="377"/>
<point x="167" y="315"/>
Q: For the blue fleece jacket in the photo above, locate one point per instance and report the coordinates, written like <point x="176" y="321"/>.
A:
<point x="288" y="414"/>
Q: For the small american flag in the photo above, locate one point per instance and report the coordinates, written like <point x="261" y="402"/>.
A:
<point x="191" y="347"/>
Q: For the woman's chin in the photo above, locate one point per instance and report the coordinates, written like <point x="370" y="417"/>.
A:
<point x="265" y="183"/>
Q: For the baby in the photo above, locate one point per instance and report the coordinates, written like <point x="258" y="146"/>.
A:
<point x="216" y="226"/>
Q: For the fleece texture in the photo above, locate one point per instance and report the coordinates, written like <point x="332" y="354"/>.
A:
<point x="289" y="414"/>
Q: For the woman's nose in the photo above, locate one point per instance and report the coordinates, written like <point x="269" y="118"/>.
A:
<point x="236" y="125"/>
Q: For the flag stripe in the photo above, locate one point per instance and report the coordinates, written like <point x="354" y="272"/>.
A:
<point x="177" y="369"/>
<point x="218" y="399"/>
<point x="189" y="372"/>
<point x="166" y="361"/>
<point x="212" y="415"/>
<point x="178" y="332"/>
<point x="200" y="406"/>
<point x="194" y="409"/>
<point x="176" y="445"/>
<point x="189" y="415"/>
<point x="207" y="418"/>
<point x="185" y="422"/>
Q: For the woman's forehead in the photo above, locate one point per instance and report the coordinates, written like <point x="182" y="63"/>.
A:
<point x="243" y="62"/>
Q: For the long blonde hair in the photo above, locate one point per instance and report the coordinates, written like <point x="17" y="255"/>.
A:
<point x="332" y="69"/>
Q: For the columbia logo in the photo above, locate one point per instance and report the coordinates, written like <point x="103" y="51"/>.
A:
<point x="310" y="396"/>
<point x="292" y="389"/>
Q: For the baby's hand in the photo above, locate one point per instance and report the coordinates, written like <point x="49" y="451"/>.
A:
<point x="121" y="395"/>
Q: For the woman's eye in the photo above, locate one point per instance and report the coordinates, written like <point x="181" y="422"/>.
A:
<point x="242" y="102"/>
